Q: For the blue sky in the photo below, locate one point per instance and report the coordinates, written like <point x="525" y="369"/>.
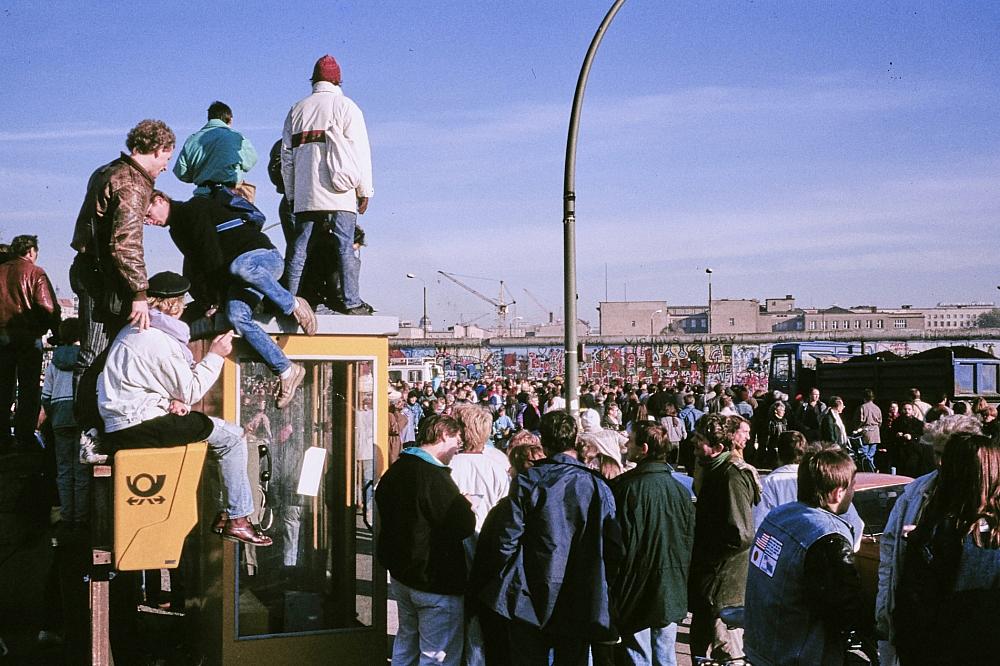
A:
<point x="844" y="152"/>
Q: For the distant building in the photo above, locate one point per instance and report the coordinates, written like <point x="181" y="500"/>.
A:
<point x="953" y="315"/>
<point x="633" y="318"/>
<point x="864" y="318"/>
<point x="68" y="307"/>
<point x="407" y="331"/>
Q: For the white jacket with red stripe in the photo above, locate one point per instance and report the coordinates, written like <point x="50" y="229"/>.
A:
<point x="326" y="161"/>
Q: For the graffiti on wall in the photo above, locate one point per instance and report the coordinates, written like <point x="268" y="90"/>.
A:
<point x="648" y="360"/>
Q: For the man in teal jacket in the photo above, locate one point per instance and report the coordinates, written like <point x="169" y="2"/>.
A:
<point x="216" y="155"/>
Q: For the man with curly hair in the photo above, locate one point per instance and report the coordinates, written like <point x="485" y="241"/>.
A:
<point x="727" y="492"/>
<point x="109" y="271"/>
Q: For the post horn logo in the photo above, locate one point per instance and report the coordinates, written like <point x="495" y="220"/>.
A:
<point x="143" y="488"/>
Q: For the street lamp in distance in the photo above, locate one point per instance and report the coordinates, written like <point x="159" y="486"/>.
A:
<point x="655" y="312"/>
<point x="708" y="271"/>
<point x="513" y="325"/>
<point x="424" y="321"/>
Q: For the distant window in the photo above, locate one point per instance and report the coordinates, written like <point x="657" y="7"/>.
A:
<point x="847" y="323"/>
<point x="834" y="324"/>
<point x="868" y="323"/>
<point x="732" y="321"/>
<point x="878" y="323"/>
<point x="633" y="323"/>
<point x="812" y="325"/>
<point x="899" y="323"/>
<point x="857" y="323"/>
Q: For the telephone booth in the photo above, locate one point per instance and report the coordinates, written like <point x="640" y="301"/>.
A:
<point x="317" y="595"/>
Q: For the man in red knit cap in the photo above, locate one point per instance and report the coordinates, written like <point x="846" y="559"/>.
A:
<point x="326" y="169"/>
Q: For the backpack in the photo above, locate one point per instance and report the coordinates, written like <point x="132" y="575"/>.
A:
<point x="249" y="213"/>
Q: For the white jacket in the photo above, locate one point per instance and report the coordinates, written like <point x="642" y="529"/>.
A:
<point x="326" y="161"/>
<point x="482" y="477"/>
<point x="145" y="369"/>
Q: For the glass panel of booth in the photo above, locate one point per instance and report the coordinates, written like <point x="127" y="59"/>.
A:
<point x="313" y="465"/>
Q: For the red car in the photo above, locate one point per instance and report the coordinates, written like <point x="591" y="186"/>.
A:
<point x="874" y="497"/>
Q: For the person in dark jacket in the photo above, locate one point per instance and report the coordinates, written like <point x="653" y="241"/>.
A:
<point x="28" y="308"/>
<point x="727" y="493"/>
<point x="907" y="454"/>
<point x="556" y="547"/>
<point x="228" y="259"/>
<point x="803" y="590"/>
<point x="424" y="522"/>
<point x="656" y="515"/>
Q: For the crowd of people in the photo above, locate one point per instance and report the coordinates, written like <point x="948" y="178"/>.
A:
<point x="514" y="532"/>
<point x="582" y="543"/>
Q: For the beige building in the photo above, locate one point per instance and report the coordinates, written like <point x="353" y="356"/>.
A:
<point x="735" y="316"/>
<point x="633" y="318"/>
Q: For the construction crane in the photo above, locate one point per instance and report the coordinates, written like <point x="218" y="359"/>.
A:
<point x="534" y="298"/>
<point x="499" y="303"/>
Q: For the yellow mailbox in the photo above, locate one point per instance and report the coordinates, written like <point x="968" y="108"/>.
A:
<point x="155" y="504"/>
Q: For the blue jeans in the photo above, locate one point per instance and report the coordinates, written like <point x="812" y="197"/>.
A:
<point x="296" y="250"/>
<point x="72" y="476"/>
<point x="431" y="627"/>
<point x="341" y="224"/>
<point x="227" y="445"/>
<point x="651" y="647"/>
<point x="260" y="269"/>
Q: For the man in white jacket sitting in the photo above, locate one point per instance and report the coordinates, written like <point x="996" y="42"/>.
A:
<point x="144" y="395"/>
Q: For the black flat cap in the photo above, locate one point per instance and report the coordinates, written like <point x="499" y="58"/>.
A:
<point x="168" y="284"/>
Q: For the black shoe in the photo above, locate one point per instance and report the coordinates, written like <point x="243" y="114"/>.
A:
<point x="358" y="310"/>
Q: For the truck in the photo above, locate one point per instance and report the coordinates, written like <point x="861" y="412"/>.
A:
<point x="959" y="372"/>
<point x="413" y="370"/>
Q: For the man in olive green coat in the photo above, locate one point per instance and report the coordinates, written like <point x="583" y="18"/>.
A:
<point x="656" y="515"/>
<point x="727" y="492"/>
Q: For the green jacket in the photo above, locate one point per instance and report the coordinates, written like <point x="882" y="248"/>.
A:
<point x="656" y="516"/>
<point x="215" y="153"/>
<point x="723" y="534"/>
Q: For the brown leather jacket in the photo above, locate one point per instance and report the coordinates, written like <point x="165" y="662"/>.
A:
<point x="28" y="305"/>
<point x="108" y="230"/>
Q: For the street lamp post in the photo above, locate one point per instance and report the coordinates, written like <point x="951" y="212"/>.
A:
<point x="569" y="219"/>
<point x="424" y="322"/>
<point x="655" y="312"/>
<point x="708" y="271"/>
<point x="513" y="322"/>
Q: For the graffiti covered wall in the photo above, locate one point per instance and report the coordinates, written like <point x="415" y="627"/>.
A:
<point x="652" y="360"/>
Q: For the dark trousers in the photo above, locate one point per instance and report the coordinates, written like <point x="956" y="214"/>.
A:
<point x="99" y="328"/>
<point x="529" y="646"/>
<point x="20" y="374"/>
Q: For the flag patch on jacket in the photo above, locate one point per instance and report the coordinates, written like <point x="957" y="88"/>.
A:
<point x="765" y="553"/>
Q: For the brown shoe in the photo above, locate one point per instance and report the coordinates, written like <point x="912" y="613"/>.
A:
<point x="304" y="315"/>
<point x="288" y="386"/>
<point x="220" y="521"/>
<point x="243" y="531"/>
